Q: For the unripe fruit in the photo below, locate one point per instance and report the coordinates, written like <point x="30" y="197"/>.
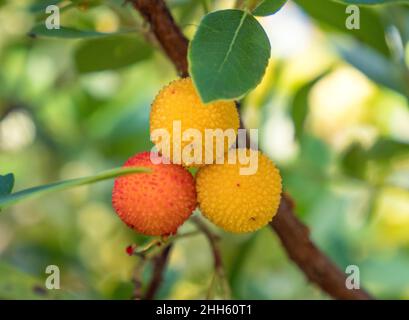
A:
<point x="179" y="104"/>
<point x="154" y="203"/>
<point x="239" y="203"/>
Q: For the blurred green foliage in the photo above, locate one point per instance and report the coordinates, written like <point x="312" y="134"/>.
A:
<point x="332" y="111"/>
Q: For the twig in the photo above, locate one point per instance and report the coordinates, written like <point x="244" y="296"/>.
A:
<point x="159" y="266"/>
<point x="217" y="257"/>
<point x="149" y="252"/>
<point x="210" y="290"/>
<point x="137" y="279"/>
<point x="292" y="232"/>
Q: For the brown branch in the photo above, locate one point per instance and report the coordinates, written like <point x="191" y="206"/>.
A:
<point x="137" y="280"/>
<point x="169" y="35"/>
<point x="159" y="266"/>
<point x="317" y="267"/>
<point x="292" y="232"/>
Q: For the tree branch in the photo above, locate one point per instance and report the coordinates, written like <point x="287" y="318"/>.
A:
<point x="169" y="35"/>
<point x="317" y="267"/>
<point x="159" y="266"/>
<point x="137" y="280"/>
<point x="293" y="234"/>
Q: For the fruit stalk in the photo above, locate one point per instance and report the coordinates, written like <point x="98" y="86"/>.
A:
<point x="294" y="235"/>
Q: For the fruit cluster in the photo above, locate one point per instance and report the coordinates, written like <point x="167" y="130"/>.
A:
<point x="159" y="202"/>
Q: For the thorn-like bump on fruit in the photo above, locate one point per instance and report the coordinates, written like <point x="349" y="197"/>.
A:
<point x="154" y="203"/>
<point x="179" y="101"/>
<point x="239" y="203"/>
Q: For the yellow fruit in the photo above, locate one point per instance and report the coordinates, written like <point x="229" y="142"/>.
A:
<point x="239" y="203"/>
<point x="178" y="109"/>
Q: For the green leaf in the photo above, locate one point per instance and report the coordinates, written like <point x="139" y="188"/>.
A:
<point x="386" y="149"/>
<point x="19" y="285"/>
<point x="354" y="161"/>
<point x="371" y="2"/>
<point x="228" y="55"/>
<point x="13" y="198"/>
<point x="41" y="30"/>
<point x="110" y="53"/>
<point x="374" y="65"/>
<point x="268" y="7"/>
<point x="300" y="105"/>
<point x="333" y="15"/>
<point x="16" y="284"/>
<point x="6" y="184"/>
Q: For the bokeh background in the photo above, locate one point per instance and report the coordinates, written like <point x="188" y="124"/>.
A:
<point x="332" y="112"/>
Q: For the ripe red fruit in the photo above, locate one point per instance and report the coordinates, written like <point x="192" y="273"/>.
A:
<point x="154" y="203"/>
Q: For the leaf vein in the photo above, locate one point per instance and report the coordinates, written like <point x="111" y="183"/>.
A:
<point x="231" y="45"/>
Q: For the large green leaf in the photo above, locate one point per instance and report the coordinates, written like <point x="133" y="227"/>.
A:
<point x="41" y="30"/>
<point x="6" y="184"/>
<point x="13" y="198"/>
<point x="112" y="52"/>
<point x="228" y="55"/>
<point x="332" y="14"/>
<point x="268" y="7"/>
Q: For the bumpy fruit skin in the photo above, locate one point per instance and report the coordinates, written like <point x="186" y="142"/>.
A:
<point x="179" y="101"/>
<point x="154" y="203"/>
<point x="239" y="203"/>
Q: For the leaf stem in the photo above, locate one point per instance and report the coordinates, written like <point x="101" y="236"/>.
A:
<point x="11" y="199"/>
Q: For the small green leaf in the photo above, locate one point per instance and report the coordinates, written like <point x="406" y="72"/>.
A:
<point x="300" y="105"/>
<point x="109" y="53"/>
<point x="386" y="149"/>
<point x="228" y="55"/>
<point x="374" y="65"/>
<point x="13" y="198"/>
<point x="41" y="30"/>
<point x="6" y="184"/>
<point x="354" y="161"/>
<point x="268" y="7"/>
